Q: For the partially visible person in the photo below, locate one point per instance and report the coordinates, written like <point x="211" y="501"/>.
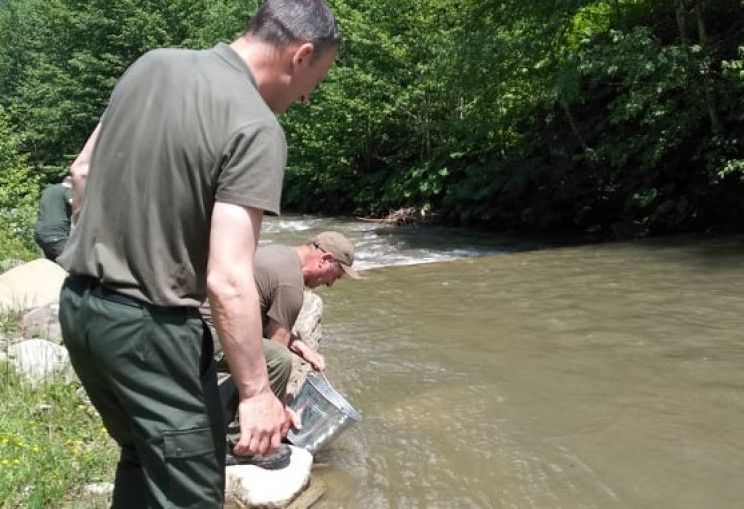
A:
<point x="187" y="157"/>
<point x="53" y="222"/>
<point x="282" y="273"/>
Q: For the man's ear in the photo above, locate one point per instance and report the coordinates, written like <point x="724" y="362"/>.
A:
<point x="303" y="53"/>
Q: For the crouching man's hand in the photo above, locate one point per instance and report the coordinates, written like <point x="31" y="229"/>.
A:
<point x="316" y="360"/>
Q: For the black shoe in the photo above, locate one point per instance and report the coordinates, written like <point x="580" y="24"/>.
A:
<point x="274" y="461"/>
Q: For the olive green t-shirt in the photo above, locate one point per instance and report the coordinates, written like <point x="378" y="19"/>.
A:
<point x="55" y="210"/>
<point x="182" y="130"/>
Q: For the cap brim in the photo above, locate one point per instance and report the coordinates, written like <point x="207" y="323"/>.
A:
<point x="350" y="272"/>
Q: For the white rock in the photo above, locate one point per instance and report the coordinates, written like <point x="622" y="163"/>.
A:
<point x="43" y="323"/>
<point x="41" y="360"/>
<point x="101" y="488"/>
<point x="251" y="486"/>
<point x="32" y="284"/>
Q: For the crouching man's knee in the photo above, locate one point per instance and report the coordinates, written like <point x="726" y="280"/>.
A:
<point x="279" y="366"/>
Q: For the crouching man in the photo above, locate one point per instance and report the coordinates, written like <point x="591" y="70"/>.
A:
<point x="282" y="273"/>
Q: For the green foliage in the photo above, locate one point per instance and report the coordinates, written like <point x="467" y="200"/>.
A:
<point x="68" y="54"/>
<point x="638" y="127"/>
<point x="525" y="115"/>
<point x="381" y="111"/>
<point x="19" y="190"/>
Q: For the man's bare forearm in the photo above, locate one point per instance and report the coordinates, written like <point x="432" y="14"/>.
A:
<point x="238" y="322"/>
<point x="233" y="296"/>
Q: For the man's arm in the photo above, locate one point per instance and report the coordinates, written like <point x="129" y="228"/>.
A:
<point x="236" y="313"/>
<point x="281" y="334"/>
<point x="275" y="331"/>
<point x="79" y="172"/>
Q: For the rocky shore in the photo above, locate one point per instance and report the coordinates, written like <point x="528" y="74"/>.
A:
<point x="30" y="292"/>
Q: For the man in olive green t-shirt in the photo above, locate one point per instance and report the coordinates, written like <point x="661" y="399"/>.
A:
<point x="53" y="223"/>
<point x="184" y="162"/>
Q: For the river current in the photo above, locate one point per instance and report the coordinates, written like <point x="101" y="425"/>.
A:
<point x="494" y="372"/>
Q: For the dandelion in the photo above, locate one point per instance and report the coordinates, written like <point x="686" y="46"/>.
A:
<point x="35" y="449"/>
<point x="16" y="461"/>
<point x="4" y="462"/>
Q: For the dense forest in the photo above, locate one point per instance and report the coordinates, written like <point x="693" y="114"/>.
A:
<point x="605" y="116"/>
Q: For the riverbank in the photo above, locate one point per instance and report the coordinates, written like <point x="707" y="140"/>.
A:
<point x="54" y="449"/>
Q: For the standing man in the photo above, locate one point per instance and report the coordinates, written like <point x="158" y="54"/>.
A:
<point x="53" y="222"/>
<point x="186" y="158"/>
<point x="282" y="273"/>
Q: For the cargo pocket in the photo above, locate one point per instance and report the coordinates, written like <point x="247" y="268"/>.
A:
<point x="195" y="472"/>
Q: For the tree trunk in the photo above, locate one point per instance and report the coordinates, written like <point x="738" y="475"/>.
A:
<point x="574" y="128"/>
<point x="679" y="7"/>
<point x="708" y="84"/>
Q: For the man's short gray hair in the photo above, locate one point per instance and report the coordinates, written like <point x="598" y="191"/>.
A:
<point x="283" y="22"/>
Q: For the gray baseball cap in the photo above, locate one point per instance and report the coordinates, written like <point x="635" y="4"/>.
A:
<point x="336" y="244"/>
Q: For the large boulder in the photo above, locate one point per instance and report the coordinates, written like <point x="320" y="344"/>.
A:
<point x="31" y="285"/>
<point x="307" y="327"/>
<point x="308" y="324"/>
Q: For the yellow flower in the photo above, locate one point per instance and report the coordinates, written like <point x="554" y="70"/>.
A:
<point x="16" y="461"/>
<point x="4" y="462"/>
<point x="35" y="449"/>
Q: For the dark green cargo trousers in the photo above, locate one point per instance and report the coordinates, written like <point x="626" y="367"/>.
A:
<point x="150" y="374"/>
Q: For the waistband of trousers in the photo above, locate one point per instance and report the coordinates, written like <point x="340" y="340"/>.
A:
<point x="103" y="292"/>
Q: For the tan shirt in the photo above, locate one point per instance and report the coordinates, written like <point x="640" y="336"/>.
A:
<point x="278" y="273"/>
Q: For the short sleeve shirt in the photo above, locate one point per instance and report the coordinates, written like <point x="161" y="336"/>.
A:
<point x="54" y="213"/>
<point x="280" y="285"/>
<point x="183" y="129"/>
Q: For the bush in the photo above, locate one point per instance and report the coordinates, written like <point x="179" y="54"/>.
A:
<point x="19" y="194"/>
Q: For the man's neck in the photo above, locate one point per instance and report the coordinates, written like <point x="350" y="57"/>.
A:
<point x="267" y="64"/>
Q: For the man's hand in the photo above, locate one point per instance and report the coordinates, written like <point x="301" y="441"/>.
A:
<point x="264" y="421"/>
<point x="316" y="360"/>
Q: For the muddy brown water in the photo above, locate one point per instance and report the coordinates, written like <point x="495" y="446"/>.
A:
<point x="592" y="376"/>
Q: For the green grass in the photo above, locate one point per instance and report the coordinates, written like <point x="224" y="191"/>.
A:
<point x="52" y="444"/>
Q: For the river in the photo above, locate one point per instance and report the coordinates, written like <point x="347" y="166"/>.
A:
<point x="494" y="372"/>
